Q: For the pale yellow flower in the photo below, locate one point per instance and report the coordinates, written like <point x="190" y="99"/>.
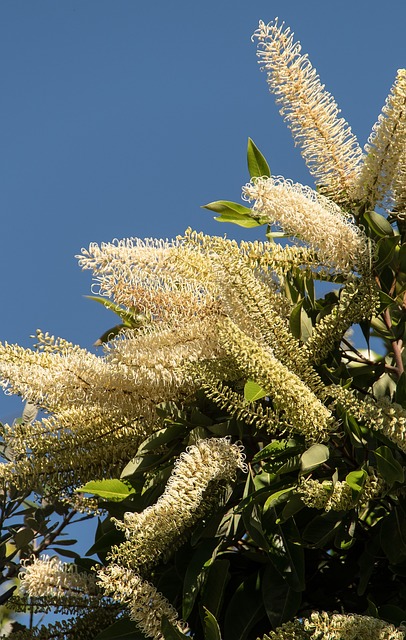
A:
<point x="159" y="529"/>
<point x="47" y="577"/>
<point x="330" y="149"/>
<point x="305" y="214"/>
<point x="146" y="605"/>
<point x="384" y="149"/>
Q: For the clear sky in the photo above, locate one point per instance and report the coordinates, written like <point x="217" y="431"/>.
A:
<point x="120" y="118"/>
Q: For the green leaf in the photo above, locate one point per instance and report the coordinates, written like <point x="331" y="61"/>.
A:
<point x="131" y="318"/>
<point x="385" y="301"/>
<point x="109" y="334"/>
<point x="67" y="553"/>
<point x="278" y="449"/>
<point x="195" y="574"/>
<point x="402" y="258"/>
<point x="385" y="250"/>
<point x="23" y="537"/>
<point x="392" y="613"/>
<point x="253" y="391"/>
<point x="170" y="632"/>
<point x="314" y="457"/>
<point x="277" y="498"/>
<point x="108" y="489"/>
<point x="252" y="521"/>
<point x="257" y="165"/>
<point x="140" y="464"/>
<point x="367" y="563"/>
<point x="211" y="627"/>
<point x="123" y="629"/>
<point x="321" y="529"/>
<point x="248" y="222"/>
<point x="290" y="563"/>
<point x="280" y="467"/>
<point x="234" y="213"/>
<point x="389" y="468"/>
<point x="300" y="323"/>
<point x="378" y="224"/>
<point x="400" y="393"/>
<point x="226" y="206"/>
<point x="162" y="436"/>
<point x="105" y="541"/>
<point x="213" y="590"/>
<point x="393" y="536"/>
<point x="356" y="480"/>
<point x="280" y="601"/>
<point x="244" y="610"/>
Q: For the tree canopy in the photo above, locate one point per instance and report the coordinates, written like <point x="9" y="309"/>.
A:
<point x="240" y="442"/>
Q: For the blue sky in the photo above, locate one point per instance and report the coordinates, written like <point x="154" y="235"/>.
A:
<point x="120" y="118"/>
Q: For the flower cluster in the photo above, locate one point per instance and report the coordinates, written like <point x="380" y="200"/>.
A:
<point x="50" y="577"/>
<point x="385" y="148"/>
<point x="336" y="626"/>
<point x="146" y="605"/>
<point x="329" y="148"/>
<point x="305" y="214"/>
<point x="301" y="408"/>
<point x="187" y="496"/>
<point x="337" y="496"/>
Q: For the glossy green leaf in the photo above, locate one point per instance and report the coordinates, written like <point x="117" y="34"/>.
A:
<point x="235" y="213"/>
<point x="314" y="457"/>
<point x="393" y="536"/>
<point x="366" y="563"/>
<point x="253" y="391"/>
<point x="253" y="524"/>
<point x="161" y="437"/>
<point x="107" y="489"/>
<point x="402" y="258"/>
<point x="211" y="627"/>
<point x="248" y="222"/>
<point x="386" y="250"/>
<point x="400" y="394"/>
<point x="66" y="553"/>
<point x="123" y="629"/>
<point x="389" y="468"/>
<point x="195" y="574"/>
<point x="23" y="537"/>
<point x="279" y="466"/>
<point x="356" y="480"/>
<point x="226" y="206"/>
<point x="110" y="334"/>
<point x="277" y="498"/>
<point x="216" y="582"/>
<point x="300" y="323"/>
<point x="290" y="563"/>
<point x="278" y="449"/>
<point x="131" y="318"/>
<point x="139" y="464"/>
<point x="281" y="602"/>
<point x="244" y="610"/>
<point x="257" y="165"/>
<point x="105" y="541"/>
<point x="378" y="224"/>
<point x="322" y="529"/>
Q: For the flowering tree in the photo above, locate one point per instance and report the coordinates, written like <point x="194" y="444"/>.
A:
<point x="245" y="459"/>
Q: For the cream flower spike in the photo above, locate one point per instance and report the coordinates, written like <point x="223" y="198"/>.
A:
<point x="329" y="148"/>
<point x="385" y="149"/>
<point x="303" y="213"/>
<point x="399" y="187"/>
<point x="50" y="577"/>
